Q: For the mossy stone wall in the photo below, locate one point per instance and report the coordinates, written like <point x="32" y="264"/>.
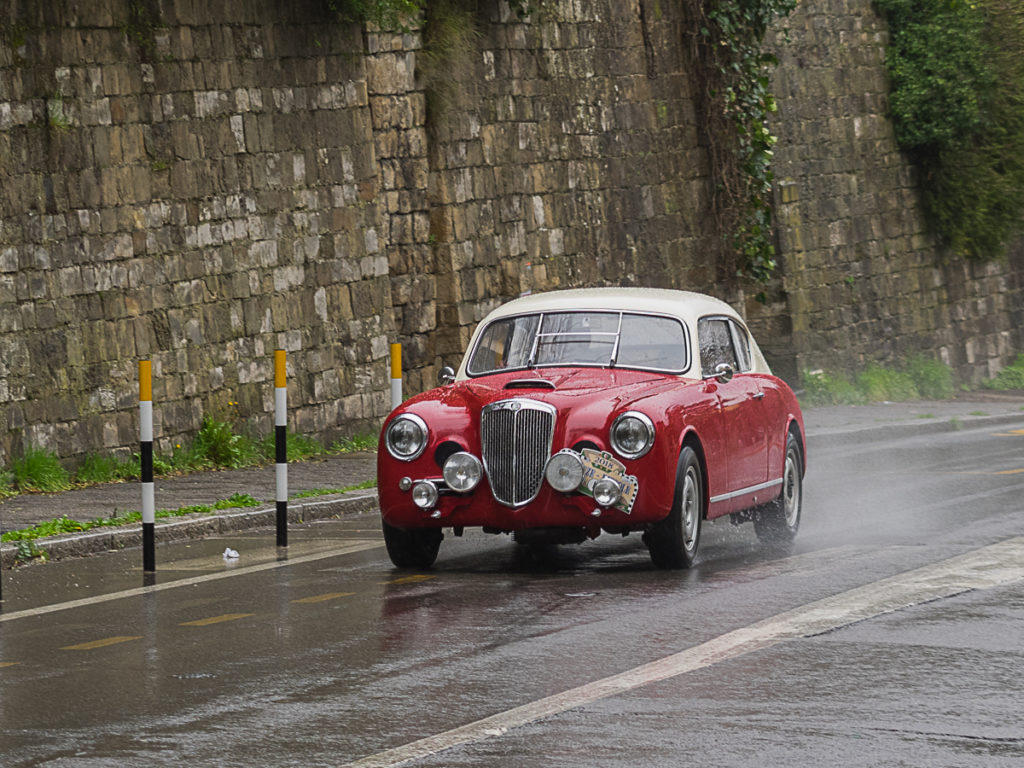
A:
<point x="200" y="183"/>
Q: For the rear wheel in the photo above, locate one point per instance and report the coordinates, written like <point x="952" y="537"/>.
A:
<point x="778" y="521"/>
<point x="673" y="541"/>
<point x="412" y="547"/>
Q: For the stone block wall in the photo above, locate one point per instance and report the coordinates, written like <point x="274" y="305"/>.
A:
<point x="862" y="280"/>
<point x="202" y="181"/>
<point x="564" y="153"/>
<point x="199" y="186"/>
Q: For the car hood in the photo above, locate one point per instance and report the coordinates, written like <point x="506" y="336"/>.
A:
<point x="561" y="387"/>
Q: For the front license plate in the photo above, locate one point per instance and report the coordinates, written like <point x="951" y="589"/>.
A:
<point x="601" y="464"/>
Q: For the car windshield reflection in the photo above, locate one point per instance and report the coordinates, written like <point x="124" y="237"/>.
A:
<point x="586" y="338"/>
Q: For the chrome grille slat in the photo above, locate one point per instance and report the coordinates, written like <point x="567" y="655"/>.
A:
<point x="516" y="440"/>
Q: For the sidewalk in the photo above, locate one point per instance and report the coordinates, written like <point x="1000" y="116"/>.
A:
<point x="111" y="499"/>
<point x="849" y="423"/>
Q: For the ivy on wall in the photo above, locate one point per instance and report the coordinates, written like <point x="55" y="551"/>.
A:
<point x="738" y="102"/>
<point x="956" y="70"/>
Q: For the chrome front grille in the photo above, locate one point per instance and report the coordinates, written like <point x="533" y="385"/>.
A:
<point x="516" y="438"/>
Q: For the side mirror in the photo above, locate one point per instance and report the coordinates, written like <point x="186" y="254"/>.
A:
<point x="723" y="373"/>
<point x="446" y="376"/>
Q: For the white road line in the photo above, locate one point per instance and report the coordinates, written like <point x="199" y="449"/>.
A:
<point x="1001" y="563"/>
<point x="355" y="546"/>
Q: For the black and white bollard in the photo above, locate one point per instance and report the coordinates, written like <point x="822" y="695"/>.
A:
<point x="146" y="453"/>
<point x="281" y="444"/>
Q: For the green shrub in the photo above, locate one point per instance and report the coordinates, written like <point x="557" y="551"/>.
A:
<point x="921" y="377"/>
<point x="6" y="484"/>
<point x="956" y="69"/>
<point x="96" y="469"/>
<point x="879" y="384"/>
<point x="216" y="444"/>
<point x="1011" y="377"/>
<point x="934" y="379"/>
<point x="40" y="470"/>
<point x="299" y="447"/>
<point x="821" y="388"/>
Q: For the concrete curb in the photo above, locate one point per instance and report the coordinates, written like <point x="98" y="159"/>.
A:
<point x="868" y="434"/>
<point x="195" y="527"/>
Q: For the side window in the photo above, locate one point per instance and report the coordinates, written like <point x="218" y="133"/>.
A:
<point x="742" y="342"/>
<point x="716" y="344"/>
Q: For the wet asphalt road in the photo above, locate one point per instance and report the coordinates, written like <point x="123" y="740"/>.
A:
<point x="332" y="656"/>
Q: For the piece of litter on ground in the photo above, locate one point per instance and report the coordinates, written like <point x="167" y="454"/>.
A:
<point x="230" y="554"/>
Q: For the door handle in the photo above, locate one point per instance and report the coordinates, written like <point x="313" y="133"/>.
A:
<point x="759" y="396"/>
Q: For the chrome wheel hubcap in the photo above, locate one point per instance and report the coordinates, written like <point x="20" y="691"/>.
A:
<point x="791" y="489"/>
<point x="691" y="508"/>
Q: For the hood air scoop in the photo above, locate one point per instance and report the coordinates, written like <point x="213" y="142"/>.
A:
<point x="530" y="384"/>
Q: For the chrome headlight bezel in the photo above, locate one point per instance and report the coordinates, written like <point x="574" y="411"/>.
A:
<point x="462" y="472"/>
<point x="606" y="492"/>
<point x="417" y="446"/>
<point x="425" y="495"/>
<point x="564" y="471"/>
<point x="631" y="434"/>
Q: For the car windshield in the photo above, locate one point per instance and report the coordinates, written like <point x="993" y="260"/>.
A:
<point x="601" y="339"/>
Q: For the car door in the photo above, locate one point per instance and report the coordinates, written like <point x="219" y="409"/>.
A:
<point x="741" y="404"/>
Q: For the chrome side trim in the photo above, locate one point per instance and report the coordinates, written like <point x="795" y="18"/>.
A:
<point x="745" y="491"/>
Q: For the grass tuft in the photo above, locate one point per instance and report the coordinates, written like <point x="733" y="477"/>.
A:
<point x="39" y="471"/>
<point x="355" y="444"/>
<point x="217" y="445"/>
<point x="96" y="469"/>
<point x="64" y="524"/>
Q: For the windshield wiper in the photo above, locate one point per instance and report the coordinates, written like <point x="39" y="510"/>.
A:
<point x="531" y="361"/>
<point x="615" y="348"/>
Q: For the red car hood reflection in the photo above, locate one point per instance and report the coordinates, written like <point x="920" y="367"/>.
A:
<point x="558" y="386"/>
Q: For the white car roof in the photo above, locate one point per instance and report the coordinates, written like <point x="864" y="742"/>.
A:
<point x="685" y="305"/>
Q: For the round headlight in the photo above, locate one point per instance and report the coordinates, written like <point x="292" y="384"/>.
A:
<point x="564" y="471"/>
<point x="606" y="492"/>
<point x="462" y="472"/>
<point x="632" y="435"/>
<point x="424" y="495"/>
<point x="406" y="437"/>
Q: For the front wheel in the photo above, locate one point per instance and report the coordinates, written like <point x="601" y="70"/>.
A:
<point x="412" y="547"/>
<point x="777" y="522"/>
<point x="673" y="541"/>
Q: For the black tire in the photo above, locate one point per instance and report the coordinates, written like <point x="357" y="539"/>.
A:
<point x="412" y="547"/>
<point x="777" y="522"/>
<point x="673" y="541"/>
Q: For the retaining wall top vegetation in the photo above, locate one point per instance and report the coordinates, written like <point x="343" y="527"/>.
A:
<point x="201" y="183"/>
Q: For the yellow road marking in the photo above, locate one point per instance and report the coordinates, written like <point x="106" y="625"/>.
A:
<point x="410" y="579"/>
<point x="215" y="620"/>
<point x="996" y="472"/>
<point x="323" y="598"/>
<point x="1011" y="433"/>
<point x="101" y="643"/>
<point x="9" y="664"/>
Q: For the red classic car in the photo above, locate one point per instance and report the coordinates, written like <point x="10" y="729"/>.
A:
<point x="582" y="411"/>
